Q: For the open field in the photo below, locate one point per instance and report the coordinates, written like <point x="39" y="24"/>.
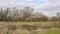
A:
<point x="29" y="28"/>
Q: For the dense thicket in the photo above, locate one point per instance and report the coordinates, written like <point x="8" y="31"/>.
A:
<point x="24" y="14"/>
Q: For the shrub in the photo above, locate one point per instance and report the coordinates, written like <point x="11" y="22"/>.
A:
<point x="29" y="27"/>
<point x="46" y="27"/>
<point x="11" y="27"/>
<point x="34" y="32"/>
<point x="57" y="25"/>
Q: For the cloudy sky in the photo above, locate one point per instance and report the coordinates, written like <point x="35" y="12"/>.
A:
<point x="48" y="7"/>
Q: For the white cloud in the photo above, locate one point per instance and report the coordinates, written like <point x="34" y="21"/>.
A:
<point x="28" y="0"/>
<point x="11" y="3"/>
<point x="50" y="7"/>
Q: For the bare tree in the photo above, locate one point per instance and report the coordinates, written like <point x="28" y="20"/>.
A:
<point x="58" y="14"/>
<point x="26" y="12"/>
<point x="1" y="16"/>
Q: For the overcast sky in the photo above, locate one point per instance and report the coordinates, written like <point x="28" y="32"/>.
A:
<point x="48" y="7"/>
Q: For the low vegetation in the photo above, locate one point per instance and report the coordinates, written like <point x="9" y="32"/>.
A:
<point x="29" y="28"/>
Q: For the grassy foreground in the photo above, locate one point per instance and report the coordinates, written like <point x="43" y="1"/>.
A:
<point x="5" y="29"/>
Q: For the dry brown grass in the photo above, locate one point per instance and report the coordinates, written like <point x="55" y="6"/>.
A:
<point x="8" y="28"/>
<point x="15" y="27"/>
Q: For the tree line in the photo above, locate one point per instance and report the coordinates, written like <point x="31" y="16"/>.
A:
<point x="25" y="14"/>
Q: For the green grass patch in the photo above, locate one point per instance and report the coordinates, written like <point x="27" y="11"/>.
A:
<point x="32" y="23"/>
<point x="52" y="32"/>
